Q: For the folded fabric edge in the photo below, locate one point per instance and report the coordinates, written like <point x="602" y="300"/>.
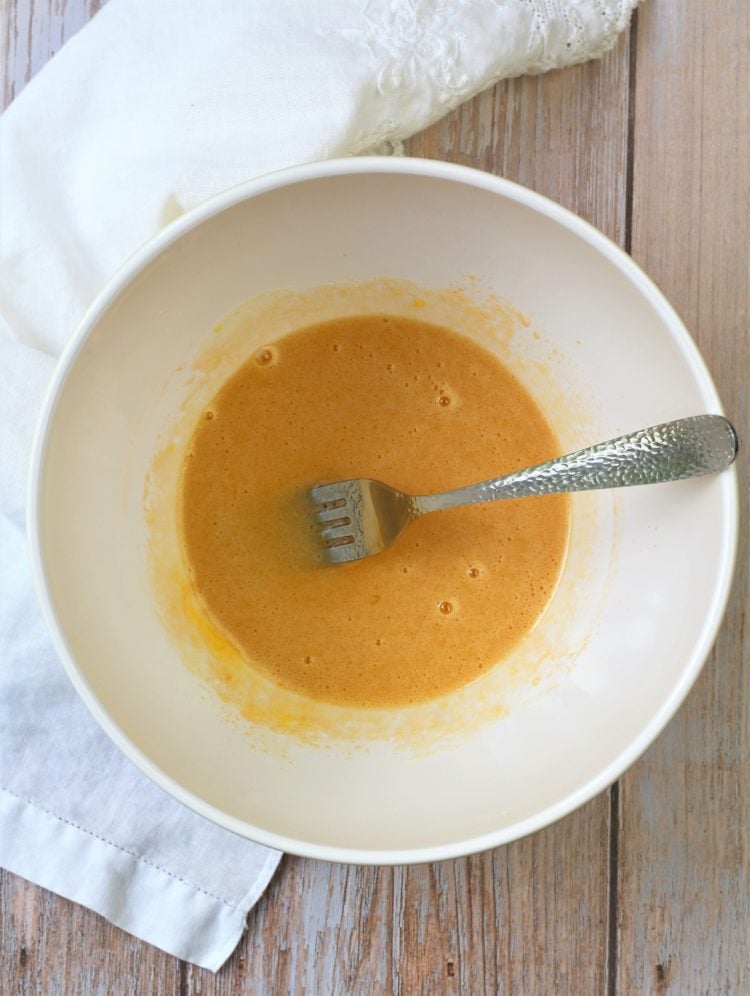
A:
<point x="249" y="900"/>
<point x="149" y="902"/>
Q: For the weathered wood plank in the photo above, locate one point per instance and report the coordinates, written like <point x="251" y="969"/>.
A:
<point x="528" y="918"/>
<point x="685" y="846"/>
<point x="33" y="30"/>
<point x="563" y="134"/>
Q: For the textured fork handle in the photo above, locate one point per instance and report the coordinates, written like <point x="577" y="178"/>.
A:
<point x="689" y="447"/>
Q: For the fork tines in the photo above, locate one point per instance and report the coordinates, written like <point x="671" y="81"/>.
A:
<point x="333" y="515"/>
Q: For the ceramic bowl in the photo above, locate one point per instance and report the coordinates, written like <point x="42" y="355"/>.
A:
<point x="626" y="633"/>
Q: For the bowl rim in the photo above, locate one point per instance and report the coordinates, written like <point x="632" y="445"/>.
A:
<point x="432" y="169"/>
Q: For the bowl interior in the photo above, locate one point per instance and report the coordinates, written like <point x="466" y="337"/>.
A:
<point x="666" y="551"/>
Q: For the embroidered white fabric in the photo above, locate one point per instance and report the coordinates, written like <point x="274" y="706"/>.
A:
<point x="434" y="43"/>
<point x="153" y="107"/>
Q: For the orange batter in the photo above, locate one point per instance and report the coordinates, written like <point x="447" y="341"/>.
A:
<point x="412" y="404"/>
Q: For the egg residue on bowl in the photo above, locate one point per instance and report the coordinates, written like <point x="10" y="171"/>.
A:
<point x="500" y="377"/>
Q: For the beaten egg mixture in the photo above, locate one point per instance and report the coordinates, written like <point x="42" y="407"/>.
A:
<point x="412" y="404"/>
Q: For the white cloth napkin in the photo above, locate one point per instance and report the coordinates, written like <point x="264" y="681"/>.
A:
<point x="150" y="109"/>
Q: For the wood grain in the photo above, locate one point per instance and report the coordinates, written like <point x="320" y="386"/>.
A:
<point x="684" y="874"/>
<point x="644" y="889"/>
<point x="32" y="31"/>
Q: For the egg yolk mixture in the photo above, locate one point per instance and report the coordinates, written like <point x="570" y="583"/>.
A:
<point x="409" y="403"/>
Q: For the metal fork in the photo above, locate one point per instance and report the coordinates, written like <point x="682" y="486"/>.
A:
<point x="362" y="517"/>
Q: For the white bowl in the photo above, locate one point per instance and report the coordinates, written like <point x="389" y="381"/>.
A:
<point x="649" y="571"/>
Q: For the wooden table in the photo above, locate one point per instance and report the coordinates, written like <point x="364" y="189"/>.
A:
<point x="647" y="888"/>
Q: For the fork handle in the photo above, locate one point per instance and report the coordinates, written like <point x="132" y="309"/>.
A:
<point x="688" y="447"/>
